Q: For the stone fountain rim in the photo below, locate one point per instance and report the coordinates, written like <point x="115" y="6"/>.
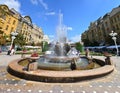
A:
<point x="15" y="69"/>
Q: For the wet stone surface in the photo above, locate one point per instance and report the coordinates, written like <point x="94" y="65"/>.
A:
<point x="106" y="84"/>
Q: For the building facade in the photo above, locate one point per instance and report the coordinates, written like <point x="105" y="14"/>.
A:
<point x="27" y="28"/>
<point x="11" y="20"/>
<point x="37" y="34"/>
<point x="99" y="30"/>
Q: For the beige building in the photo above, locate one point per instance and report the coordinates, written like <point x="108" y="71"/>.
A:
<point x="27" y="29"/>
<point x="36" y="34"/>
<point x="115" y="21"/>
<point x="99" y="30"/>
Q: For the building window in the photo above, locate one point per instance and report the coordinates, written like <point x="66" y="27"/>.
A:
<point x="106" y="23"/>
<point x="115" y="19"/>
<point x="117" y="27"/>
<point x="3" y="17"/>
<point x="14" y="22"/>
<point x="118" y="18"/>
<point x="7" y="27"/>
<point x="39" y="37"/>
<point x="113" y="28"/>
<point x="9" y="20"/>
<point x="112" y="21"/>
<point x="11" y="29"/>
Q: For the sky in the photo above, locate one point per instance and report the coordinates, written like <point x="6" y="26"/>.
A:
<point x="77" y="14"/>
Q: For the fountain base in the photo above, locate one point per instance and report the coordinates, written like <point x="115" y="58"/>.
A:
<point x="63" y="63"/>
<point x="40" y="75"/>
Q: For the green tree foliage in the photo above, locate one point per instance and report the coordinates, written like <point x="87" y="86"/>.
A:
<point x="118" y="38"/>
<point x="79" y="47"/>
<point x="45" y="46"/>
<point x="109" y="41"/>
<point x="86" y="42"/>
<point x="19" y="40"/>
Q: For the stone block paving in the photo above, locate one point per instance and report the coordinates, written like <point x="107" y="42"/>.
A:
<point x="10" y="84"/>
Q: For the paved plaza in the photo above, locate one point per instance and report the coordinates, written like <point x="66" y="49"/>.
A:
<point x="11" y="84"/>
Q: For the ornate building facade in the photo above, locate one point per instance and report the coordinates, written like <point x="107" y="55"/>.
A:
<point x="11" y="20"/>
<point x="8" y="20"/>
<point x="37" y="34"/>
<point x="99" y="30"/>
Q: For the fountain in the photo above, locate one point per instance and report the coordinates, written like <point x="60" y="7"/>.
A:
<point x="61" y="54"/>
<point x="56" y="64"/>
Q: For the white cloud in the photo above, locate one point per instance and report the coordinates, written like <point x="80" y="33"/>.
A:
<point x="43" y="4"/>
<point x="69" y="28"/>
<point x="51" y="37"/>
<point x="12" y="4"/>
<point x="76" y="38"/>
<point x="34" y="2"/>
<point x="50" y="13"/>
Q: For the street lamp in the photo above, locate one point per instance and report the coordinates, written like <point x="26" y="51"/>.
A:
<point x="14" y="34"/>
<point x="113" y="34"/>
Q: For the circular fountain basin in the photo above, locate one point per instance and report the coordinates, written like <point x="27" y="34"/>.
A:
<point x="63" y="63"/>
<point x="15" y="68"/>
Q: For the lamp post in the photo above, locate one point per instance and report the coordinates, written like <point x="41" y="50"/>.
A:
<point x="113" y="35"/>
<point x="14" y="34"/>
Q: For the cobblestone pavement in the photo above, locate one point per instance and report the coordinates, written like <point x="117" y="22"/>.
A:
<point x="11" y="84"/>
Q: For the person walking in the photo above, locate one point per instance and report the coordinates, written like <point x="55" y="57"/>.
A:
<point x="12" y="52"/>
<point x="9" y="52"/>
<point x="73" y="65"/>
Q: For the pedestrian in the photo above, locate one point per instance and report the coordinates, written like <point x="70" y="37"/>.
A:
<point x="87" y="52"/>
<point x="73" y="65"/>
<point x="0" y="50"/>
<point x="9" y="51"/>
<point x="12" y="52"/>
<point x="79" y="53"/>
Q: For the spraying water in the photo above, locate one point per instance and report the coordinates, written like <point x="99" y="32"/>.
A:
<point x="61" y="54"/>
<point x="61" y="30"/>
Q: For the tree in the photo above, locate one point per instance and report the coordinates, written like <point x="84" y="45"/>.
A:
<point x="109" y="41"/>
<point x="95" y="43"/>
<point x="86" y="42"/>
<point x="45" y="46"/>
<point x="20" y="40"/>
<point x="79" y="47"/>
<point x="118" y="38"/>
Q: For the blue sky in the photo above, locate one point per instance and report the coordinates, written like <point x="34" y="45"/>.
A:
<point x="77" y="14"/>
